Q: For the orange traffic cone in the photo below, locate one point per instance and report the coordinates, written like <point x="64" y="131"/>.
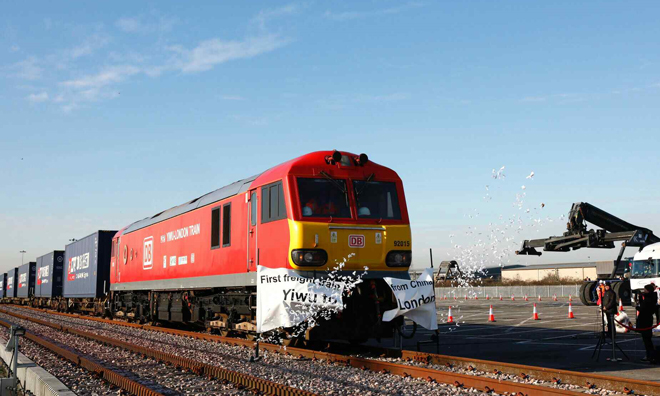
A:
<point x="570" y="311"/>
<point x="476" y="297"/>
<point x="554" y="297"/>
<point x="570" y="298"/>
<point x="466" y="296"/>
<point x="500" y="297"/>
<point x="539" y="298"/>
<point x="535" y="315"/>
<point x="491" y="317"/>
<point x="450" y="319"/>
<point x="620" y="305"/>
<point x="487" y="297"/>
<point x="454" y="298"/>
<point x="513" y="298"/>
<point x="526" y="299"/>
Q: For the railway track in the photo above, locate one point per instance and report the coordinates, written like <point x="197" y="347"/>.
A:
<point x="119" y="377"/>
<point x="480" y="375"/>
<point x="109" y="375"/>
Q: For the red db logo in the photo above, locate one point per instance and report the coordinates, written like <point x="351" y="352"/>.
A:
<point x="356" y="241"/>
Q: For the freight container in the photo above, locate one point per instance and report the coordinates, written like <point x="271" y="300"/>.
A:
<point x="49" y="275"/>
<point x="86" y="272"/>
<point x="12" y="280"/>
<point x="26" y="276"/>
<point x="3" y="284"/>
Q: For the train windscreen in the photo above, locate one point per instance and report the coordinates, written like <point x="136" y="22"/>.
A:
<point x="376" y="200"/>
<point x="323" y="198"/>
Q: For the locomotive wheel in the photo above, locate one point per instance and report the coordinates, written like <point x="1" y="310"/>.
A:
<point x="291" y="342"/>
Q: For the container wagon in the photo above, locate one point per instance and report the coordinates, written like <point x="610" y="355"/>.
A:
<point x="3" y="285"/>
<point x="26" y="277"/>
<point x="86" y="273"/>
<point x="12" y="277"/>
<point x="48" y="287"/>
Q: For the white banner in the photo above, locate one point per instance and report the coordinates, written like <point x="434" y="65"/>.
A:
<point x="416" y="300"/>
<point x="286" y="299"/>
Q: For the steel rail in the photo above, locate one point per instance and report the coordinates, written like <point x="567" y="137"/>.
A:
<point x="104" y="373"/>
<point x="202" y="369"/>
<point x="482" y="383"/>
<point x="620" y="384"/>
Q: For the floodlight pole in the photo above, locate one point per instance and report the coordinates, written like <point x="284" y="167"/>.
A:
<point x="22" y="252"/>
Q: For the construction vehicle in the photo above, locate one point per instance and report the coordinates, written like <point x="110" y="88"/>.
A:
<point x="612" y="229"/>
<point x="448" y="270"/>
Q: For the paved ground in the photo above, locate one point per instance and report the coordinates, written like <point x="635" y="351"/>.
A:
<point x="554" y="341"/>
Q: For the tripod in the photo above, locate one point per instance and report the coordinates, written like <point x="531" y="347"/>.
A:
<point x="602" y="339"/>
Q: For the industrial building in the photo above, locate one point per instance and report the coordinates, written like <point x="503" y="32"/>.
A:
<point x="576" y="271"/>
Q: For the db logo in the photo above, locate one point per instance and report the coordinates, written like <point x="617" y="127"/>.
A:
<point x="148" y="253"/>
<point x="356" y="241"/>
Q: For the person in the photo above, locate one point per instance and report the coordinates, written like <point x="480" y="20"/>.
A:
<point x="657" y="308"/>
<point x="609" y="308"/>
<point x="599" y="292"/>
<point x="646" y="307"/>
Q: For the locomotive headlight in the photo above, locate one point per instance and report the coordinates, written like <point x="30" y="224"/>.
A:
<point x="399" y="258"/>
<point x="309" y="257"/>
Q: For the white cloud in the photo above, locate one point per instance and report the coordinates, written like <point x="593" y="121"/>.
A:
<point x="215" y="51"/>
<point x="393" y="97"/>
<point x="109" y="75"/>
<point x="137" y="25"/>
<point x="37" y="98"/>
<point x="91" y="44"/>
<point x="266" y="15"/>
<point x="533" y="99"/>
<point x="129" y="25"/>
<point x="231" y="97"/>
<point x="348" y="15"/>
<point x="14" y="48"/>
<point x="27" y="69"/>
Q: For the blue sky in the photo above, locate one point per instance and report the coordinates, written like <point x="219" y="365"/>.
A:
<point x="115" y="111"/>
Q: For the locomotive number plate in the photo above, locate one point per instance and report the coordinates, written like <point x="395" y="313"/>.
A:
<point x="356" y="241"/>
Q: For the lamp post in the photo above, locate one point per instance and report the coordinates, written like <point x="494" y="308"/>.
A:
<point x="22" y="252"/>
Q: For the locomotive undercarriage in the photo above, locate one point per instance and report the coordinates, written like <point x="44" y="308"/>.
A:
<point x="232" y="311"/>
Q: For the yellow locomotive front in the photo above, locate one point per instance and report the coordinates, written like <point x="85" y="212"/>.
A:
<point x="350" y="216"/>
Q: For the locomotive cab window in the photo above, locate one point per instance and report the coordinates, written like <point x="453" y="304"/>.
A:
<point x="323" y="198"/>
<point x="253" y="209"/>
<point x="376" y="200"/>
<point x="215" y="228"/>
<point x="226" y="225"/>
<point x="272" y="203"/>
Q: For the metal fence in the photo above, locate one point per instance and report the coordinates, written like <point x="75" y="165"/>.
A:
<point x="508" y="291"/>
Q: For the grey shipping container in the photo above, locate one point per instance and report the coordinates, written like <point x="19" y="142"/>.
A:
<point x="26" y="276"/>
<point x="49" y="275"/>
<point x="86" y="271"/>
<point x="3" y="284"/>
<point x="12" y="281"/>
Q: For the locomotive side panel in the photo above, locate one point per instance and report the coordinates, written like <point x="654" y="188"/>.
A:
<point x="186" y="251"/>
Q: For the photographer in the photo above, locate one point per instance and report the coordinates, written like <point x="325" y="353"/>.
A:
<point x="609" y="308"/>
<point x="646" y="308"/>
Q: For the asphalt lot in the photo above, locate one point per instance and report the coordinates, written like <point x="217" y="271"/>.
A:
<point x="553" y="341"/>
